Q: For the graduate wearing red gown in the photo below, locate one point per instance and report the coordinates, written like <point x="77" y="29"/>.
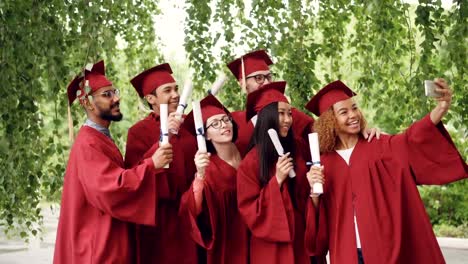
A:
<point x="255" y="66"/>
<point x="169" y="241"/>
<point x="273" y="207"/>
<point x="211" y="203"/>
<point x="378" y="188"/>
<point x="99" y="196"/>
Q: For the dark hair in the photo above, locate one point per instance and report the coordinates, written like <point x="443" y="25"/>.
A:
<point x="268" y="118"/>
<point x="209" y="145"/>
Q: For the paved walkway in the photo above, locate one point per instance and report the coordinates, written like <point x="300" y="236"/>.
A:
<point x="15" y="251"/>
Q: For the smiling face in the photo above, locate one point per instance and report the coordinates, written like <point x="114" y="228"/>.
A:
<point x="165" y="94"/>
<point x="219" y="129"/>
<point x="348" y="117"/>
<point x="284" y="118"/>
<point x="106" y="104"/>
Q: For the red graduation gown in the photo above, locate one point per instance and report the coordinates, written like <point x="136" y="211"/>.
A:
<point x="277" y="226"/>
<point x="380" y="184"/>
<point x="219" y="228"/>
<point x="99" y="199"/>
<point x="169" y="241"/>
<point x="302" y="125"/>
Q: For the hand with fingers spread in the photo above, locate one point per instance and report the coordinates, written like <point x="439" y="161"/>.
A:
<point x="443" y="102"/>
<point x="162" y="156"/>
<point x="283" y="166"/>
<point x="174" y="121"/>
<point x="202" y="160"/>
<point x="370" y="133"/>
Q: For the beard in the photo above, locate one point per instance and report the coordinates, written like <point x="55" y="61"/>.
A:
<point x="107" y="113"/>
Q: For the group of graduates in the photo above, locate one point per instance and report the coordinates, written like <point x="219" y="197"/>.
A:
<point x="236" y="202"/>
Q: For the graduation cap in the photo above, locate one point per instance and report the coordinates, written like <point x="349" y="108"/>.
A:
<point x="91" y="79"/>
<point x="210" y="106"/>
<point x="269" y="93"/>
<point x="329" y="95"/>
<point x="147" y="81"/>
<point x="251" y="62"/>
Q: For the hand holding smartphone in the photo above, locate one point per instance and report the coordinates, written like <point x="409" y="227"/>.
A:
<point x="430" y="89"/>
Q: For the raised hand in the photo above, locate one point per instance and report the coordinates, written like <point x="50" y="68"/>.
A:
<point x="283" y="166"/>
<point x="443" y="102"/>
<point x="202" y="160"/>
<point x="174" y="121"/>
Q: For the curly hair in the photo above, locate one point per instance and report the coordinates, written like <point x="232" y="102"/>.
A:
<point x="326" y="126"/>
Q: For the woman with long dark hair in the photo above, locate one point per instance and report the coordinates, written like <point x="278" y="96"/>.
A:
<point x="370" y="210"/>
<point x="271" y="203"/>
<point x="210" y="206"/>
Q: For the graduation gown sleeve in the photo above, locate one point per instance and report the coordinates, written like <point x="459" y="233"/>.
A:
<point x="203" y="224"/>
<point x="99" y="199"/>
<point x="430" y="152"/>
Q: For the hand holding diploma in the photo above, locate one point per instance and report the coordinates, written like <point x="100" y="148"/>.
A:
<point x="202" y="160"/>
<point x="279" y="149"/>
<point x="164" y="135"/>
<point x="188" y="87"/>
<point x="174" y="122"/>
<point x="199" y="130"/>
<point x="162" y="156"/>
<point x="316" y="185"/>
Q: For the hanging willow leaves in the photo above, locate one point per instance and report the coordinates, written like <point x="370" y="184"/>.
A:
<point x="44" y="44"/>
<point x="383" y="49"/>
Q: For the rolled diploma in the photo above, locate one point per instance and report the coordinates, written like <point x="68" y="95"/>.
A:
<point x="198" y="120"/>
<point x="317" y="188"/>
<point x="217" y="84"/>
<point x="164" y="137"/>
<point x="188" y="87"/>
<point x="274" y="138"/>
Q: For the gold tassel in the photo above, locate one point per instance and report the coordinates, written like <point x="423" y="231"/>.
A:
<point x="71" y="135"/>
<point x="244" y="84"/>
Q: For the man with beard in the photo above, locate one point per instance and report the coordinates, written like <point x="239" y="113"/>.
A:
<point x="169" y="241"/>
<point x="100" y="197"/>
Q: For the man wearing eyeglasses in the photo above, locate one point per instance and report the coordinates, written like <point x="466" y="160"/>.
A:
<point x="100" y="197"/>
<point x="255" y="66"/>
<point x="169" y="241"/>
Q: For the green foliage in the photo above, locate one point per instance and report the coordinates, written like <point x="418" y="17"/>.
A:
<point x="383" y="49"/>
<point x="444" y="230"/>
<point x="43" y="45"/>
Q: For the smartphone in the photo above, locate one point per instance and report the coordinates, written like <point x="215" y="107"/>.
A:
<point x="430" y="89"/>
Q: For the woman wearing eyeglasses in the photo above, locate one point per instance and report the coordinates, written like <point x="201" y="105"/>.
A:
<point x="210" y="206"/>
<point x="271" y="203"/>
